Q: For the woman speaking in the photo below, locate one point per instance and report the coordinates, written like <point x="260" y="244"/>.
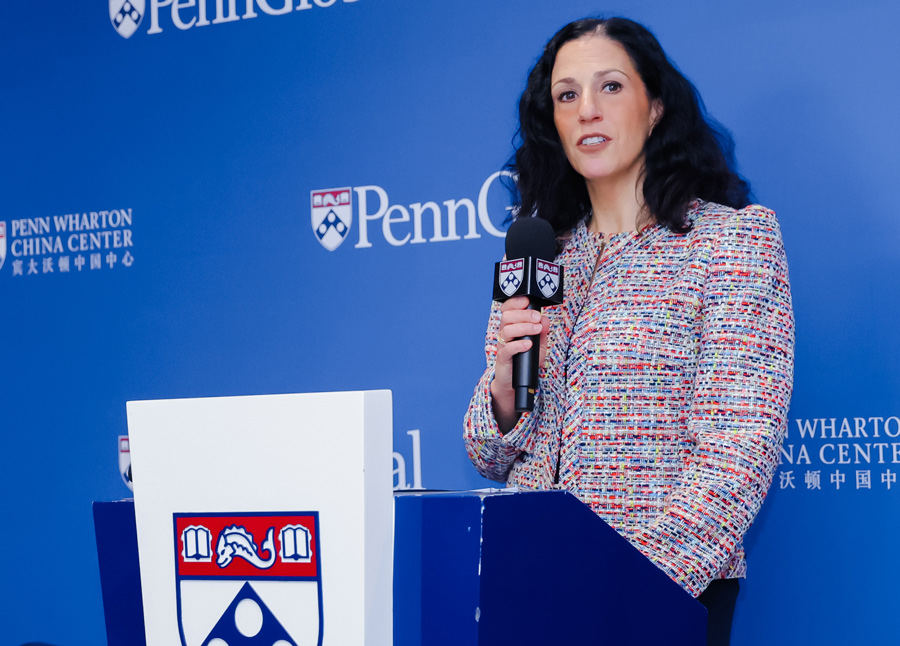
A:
<point x="666" y="373"/>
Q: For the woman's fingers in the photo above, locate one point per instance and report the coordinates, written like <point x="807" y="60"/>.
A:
<point x="514" y="303"/>
<point x="501" y="387"/>
<point x="516" y="321"/>
<point x="514" y="331"/>
<point x="508" y="350"/>
<point x="517" y="324"/>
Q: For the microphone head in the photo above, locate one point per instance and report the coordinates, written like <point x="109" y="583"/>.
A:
<point x="531" y="236"/>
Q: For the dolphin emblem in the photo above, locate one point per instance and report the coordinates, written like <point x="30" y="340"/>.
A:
<point x="237" y="541"/>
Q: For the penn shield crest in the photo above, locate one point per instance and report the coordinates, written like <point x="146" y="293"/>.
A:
<point x="548" y="279"/>
<point x="126" y="16"/>
<point x="510" y="275"/>
<point x="2" y="243"/>
<point x="125" y="461"/>
<point x="332" y="215"/>
<point x="248" y="578"/>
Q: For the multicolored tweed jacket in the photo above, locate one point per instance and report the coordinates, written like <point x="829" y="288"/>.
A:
<point x="663" y="399"/>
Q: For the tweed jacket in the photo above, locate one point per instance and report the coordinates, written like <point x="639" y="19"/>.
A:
<point x="662" y="402"/>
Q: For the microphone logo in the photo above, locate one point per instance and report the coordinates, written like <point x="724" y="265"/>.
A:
<point x="510" y="275"/>
<point x="547" y="278"/>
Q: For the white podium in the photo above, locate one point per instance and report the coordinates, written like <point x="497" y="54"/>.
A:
<point x="265" y="519"/>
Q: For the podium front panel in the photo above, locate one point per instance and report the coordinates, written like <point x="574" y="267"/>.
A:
<point x="265" y="516"/>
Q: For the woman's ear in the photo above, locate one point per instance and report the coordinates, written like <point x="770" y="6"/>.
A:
<point x="656" y="113"/>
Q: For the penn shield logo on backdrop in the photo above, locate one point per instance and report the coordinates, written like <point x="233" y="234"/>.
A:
<point x="126" y="15"/>
<point x="332" y="216"/>
<point x="332" y="213"/>
<point x="125" y="461"/>
<point x="2" y="243"/>
<point x="248" y="578"/>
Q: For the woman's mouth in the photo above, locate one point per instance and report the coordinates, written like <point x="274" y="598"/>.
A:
<point x="592" y="140"/>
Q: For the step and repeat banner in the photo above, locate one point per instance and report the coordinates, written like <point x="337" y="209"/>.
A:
<point x="229" y="197"/>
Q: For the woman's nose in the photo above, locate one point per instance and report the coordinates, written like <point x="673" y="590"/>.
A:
<point x="589" y="108"/>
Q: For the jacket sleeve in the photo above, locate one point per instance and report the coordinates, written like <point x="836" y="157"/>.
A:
<point x="493" y="454"/>
<point x="738" y="411"/>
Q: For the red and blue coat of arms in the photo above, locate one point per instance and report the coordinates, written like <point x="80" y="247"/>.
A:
<point x="248" y="579"/>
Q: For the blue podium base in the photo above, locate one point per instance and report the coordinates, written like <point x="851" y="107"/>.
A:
<point x="486" y="569"/>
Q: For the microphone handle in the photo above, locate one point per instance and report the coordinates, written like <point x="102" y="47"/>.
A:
<point x="525" y="372"/>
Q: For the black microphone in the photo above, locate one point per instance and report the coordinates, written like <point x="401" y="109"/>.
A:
<point x="528" y="271"/>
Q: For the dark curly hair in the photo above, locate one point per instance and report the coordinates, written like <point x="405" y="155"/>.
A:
<point x="688" y="155"/>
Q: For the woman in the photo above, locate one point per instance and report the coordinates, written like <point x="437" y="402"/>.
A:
<point x="666" y="374"/>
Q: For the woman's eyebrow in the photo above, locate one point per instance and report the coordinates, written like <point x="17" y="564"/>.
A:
<point x="569" y="79"/>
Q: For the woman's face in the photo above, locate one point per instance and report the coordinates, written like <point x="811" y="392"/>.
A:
<point x="601" y="110"/>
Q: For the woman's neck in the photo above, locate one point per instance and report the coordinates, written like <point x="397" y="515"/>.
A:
<point x="617" y="205"/>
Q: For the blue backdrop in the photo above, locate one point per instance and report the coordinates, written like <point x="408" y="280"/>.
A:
<point x="157" y="242"/>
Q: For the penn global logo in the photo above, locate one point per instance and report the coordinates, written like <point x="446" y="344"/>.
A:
<point x="126" y="16"/>
<point x="332" y="214"/>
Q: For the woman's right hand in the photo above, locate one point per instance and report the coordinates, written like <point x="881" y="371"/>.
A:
<point x="516" y="324"/>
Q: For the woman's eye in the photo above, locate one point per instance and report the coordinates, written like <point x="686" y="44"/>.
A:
<point x="566" y="96"/>
<point x="612" y="86"/>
